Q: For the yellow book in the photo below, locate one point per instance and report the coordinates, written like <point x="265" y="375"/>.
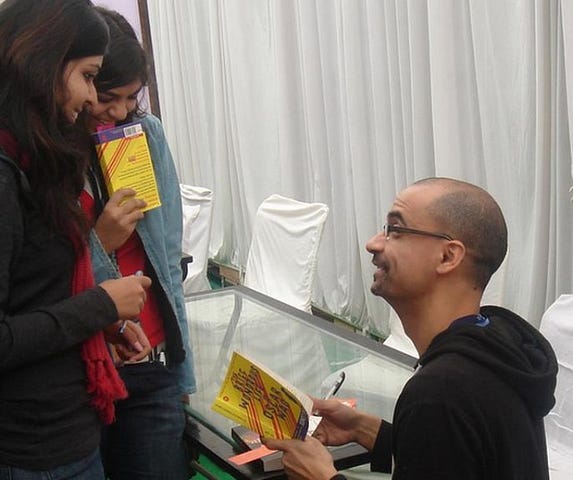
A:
<point x="125" y="160"/>
<point x="260" y="400"/>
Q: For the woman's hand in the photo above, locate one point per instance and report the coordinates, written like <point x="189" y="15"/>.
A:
<point x="119" y="219"/>
<point x="128" y="294"/>
<point x="129" y="340"/>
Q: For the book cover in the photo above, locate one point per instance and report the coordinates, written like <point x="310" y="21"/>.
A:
<point x="125" y="160"/>
<point x="253" y="396"/>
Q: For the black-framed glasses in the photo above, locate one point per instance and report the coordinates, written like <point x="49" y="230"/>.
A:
<point x="388" y="229"/>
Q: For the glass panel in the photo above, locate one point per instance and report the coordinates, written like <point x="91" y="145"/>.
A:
<point x="298" y="347"/>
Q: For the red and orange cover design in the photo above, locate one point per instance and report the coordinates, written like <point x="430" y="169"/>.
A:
<point x="260" y="400"/>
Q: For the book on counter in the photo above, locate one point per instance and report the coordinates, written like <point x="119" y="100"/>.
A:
<point x="249" y="443"/>
<point x="255" y="397"/>
<point x="125" y="161"/>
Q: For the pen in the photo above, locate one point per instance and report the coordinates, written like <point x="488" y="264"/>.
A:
<point x="139" y="273"/>
<point x="315" y="418"/>
<point x="336" y="386"/>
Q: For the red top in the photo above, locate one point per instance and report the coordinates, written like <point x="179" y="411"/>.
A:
<point x="130" y="259"/>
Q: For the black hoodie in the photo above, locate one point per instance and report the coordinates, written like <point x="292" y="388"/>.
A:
<point x="475" y="407"/>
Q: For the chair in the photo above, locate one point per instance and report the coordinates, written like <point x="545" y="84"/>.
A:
<point x="557" y="327"/>
<point x="398" y="339"/>
<point x="281" y="263"/>
<point x="197" y="220"/>
<point x="283" y="254"/>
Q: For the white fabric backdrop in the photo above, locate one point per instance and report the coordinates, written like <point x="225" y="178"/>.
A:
<point x="348" y="101"/>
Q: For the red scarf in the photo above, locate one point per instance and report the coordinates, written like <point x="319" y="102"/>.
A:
<point x="104" y="383"/>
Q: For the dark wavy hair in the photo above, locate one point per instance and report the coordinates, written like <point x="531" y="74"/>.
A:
<point x="37" y="40"/>
<point x="125" y="60"/>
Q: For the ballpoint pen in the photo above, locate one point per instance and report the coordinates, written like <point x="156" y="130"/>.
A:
<point x="139" y="273"/>
<point x="336" y="386"/>
<point x="315" y="418"/>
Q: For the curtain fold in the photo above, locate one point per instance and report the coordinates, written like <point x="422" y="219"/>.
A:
<point x="346" y="102"/>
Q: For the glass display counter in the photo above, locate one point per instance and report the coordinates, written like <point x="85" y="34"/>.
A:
<point x="307" y="351"/>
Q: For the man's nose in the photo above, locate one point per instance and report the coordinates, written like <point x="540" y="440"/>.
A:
<point x="376" y="243"/>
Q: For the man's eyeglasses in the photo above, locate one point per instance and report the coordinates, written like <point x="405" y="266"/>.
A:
<point x="388" y="229"/>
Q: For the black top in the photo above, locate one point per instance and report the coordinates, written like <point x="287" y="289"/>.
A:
<point x="45" y="416"/>
<point x="475" y="407"/>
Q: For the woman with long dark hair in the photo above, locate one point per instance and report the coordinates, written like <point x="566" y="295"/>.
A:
<point x="146" y="440"/>
<point x="57" y="381"/>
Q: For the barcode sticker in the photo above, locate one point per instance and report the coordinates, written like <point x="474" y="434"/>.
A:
<point x="132" y="130"/>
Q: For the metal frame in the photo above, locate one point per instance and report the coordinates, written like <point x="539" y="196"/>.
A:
<point x="318" y="322"/>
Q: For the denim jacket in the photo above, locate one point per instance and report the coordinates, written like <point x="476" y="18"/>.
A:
<point x="160" y="231"/>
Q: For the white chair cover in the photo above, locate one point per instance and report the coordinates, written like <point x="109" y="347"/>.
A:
<point x="281" y="264"/>
<point x="557" y="327"/>
<point x="398" y="339"/>
<point x="197" y="220"/>
<point x="282" y="257"/>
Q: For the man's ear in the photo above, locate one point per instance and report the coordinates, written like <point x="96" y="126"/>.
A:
<point x="453" y="253"/>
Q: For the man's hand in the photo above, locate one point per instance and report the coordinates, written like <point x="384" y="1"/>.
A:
<point x="304" y="460"/>
<point x="337" y="424"/>
<point x="119" y="219"/>
<point x="341" y="424"/>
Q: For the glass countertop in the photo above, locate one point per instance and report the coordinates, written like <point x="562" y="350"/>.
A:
<point x="307" y="351"/>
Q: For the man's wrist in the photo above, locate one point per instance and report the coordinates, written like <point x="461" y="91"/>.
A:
<point x="366" y="430"/>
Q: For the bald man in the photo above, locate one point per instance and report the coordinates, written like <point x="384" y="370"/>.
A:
<point x="474" y="408"/>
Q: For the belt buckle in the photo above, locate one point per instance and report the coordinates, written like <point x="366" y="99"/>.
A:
<point x="157" y="354"/>
<point x="161" y="358"/>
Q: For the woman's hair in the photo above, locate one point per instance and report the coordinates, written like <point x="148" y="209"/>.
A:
<point x="37" y="40"/>
<point x="125" y="60"/>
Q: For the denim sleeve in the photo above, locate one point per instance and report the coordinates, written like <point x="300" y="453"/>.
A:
<point x="168" y="183"/>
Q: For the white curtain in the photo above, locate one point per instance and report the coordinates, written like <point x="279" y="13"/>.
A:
<point x="348" y="101"/>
